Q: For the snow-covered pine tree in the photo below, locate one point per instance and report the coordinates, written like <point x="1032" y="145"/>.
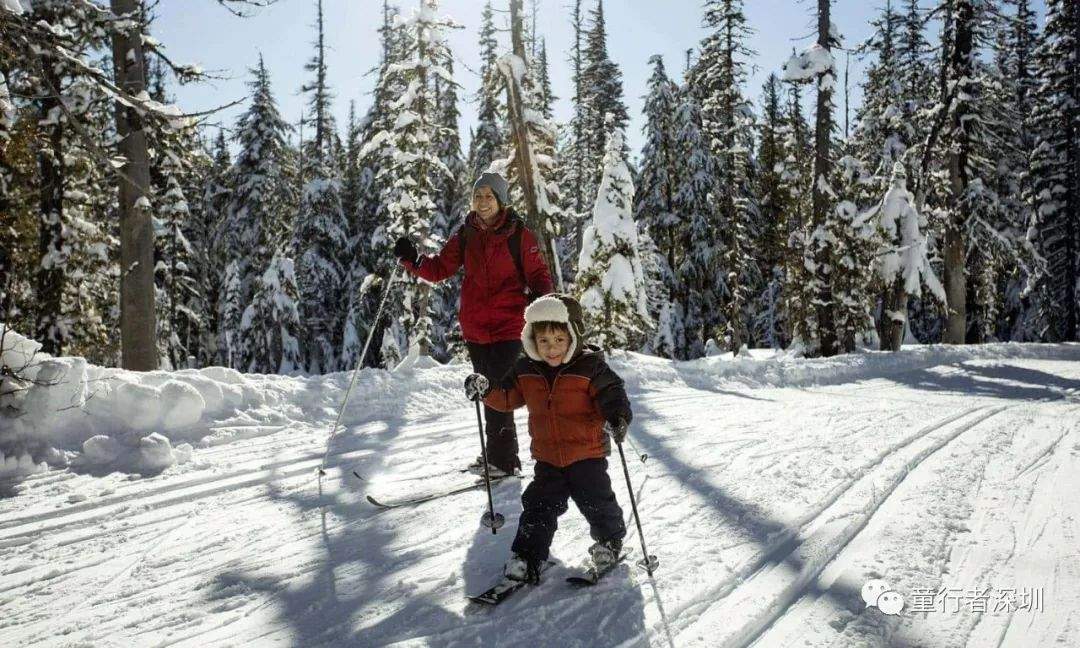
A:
<point x="319" y="238"/>
<point x="256" y="220"/>
<point x="215" y="201"/>
<point x="903" y="264"/>
<point x="489" y="138"/>
<point x="1056" y="165"/>
<point x="855" y="242"/>
<point x="654" y="205"/>
<point x="410" y="180"/>
<point x="179" y="295"/>
<point x="176" y="159"/>
<point x="654" y="210"/>
<point x="717" y="79"/>
<point x="913" y="68"/>
<point x="544" y="94"/>
<point x="883" y="131"/>
<point x="698" y="277"/>
<point x="370" y="254"/>
<point x="796" y="178"/>
<point x="955" y="179"/>
<point x="452" y="204"/>
<point x="611" y="280"/>
<point x="817" y="64"/>
<point x="602" y="95"/>
<point x="775" y="205"/>
<point x="573" y="150"/>
<point x="271" y="322"/>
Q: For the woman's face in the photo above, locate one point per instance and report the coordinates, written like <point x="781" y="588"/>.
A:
<point x="485" y="204"/>
<point x="552" y="346"/>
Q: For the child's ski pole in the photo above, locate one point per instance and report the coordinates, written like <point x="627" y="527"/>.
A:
<point x="649" y="562"/>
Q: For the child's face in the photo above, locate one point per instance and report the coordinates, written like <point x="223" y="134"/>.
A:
<point x="552" y="345"/>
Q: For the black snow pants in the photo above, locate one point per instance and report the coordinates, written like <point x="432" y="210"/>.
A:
<point x="494" y="361"/>
<point x="544" y="500"/>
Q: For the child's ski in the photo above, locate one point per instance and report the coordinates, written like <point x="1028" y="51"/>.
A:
<point x="591" y="575"/>
<point x="500" y="591"/>
<point x="427" y="497"/>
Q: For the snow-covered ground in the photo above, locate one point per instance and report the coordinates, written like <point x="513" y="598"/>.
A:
<point x="774" y="490"/>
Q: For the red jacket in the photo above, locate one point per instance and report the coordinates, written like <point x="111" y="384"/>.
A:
<point x="492" y="306"/>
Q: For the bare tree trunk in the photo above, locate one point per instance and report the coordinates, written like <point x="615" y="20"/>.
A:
<point x="954" y="245"/>
<point x="138" y="347"/>
<point x="822" y="169"/>
<point x="892" y="328"/>
<point x="50" y="276"/>
<point x="523" y="157"/>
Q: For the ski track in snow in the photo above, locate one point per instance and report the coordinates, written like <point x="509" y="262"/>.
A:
<point x="769" y="507"/>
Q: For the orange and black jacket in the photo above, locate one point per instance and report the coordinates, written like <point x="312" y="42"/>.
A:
<point x="567" y="405"/>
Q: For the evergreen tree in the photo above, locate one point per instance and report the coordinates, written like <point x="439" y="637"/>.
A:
<point x="611" y="278"/>
<point x="698" y="276"/>
<point x="415" y="169"/>
<point x="817" y="64"/>
<point x="573" y="151"/>
<point x="319" y="238"/>
<point x="717" y="78"/>
<point x="602" y="95"/>
<point x="215" y="201"/>
<point x="903" y="265"/>
<point x="271" y="323"/>
<point x="776" y="205"/>
<point x="489" y="139"/>
<point x="654" y="202"/>
<point x="256" y="221"/>
<point x="1056" y="165"/>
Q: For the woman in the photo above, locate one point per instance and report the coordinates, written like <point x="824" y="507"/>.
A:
<point x="503" y="269"/>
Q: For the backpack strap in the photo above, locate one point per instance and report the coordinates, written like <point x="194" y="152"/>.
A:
<point x="513" y="242"/>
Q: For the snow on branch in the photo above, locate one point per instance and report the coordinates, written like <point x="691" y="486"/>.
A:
<point x="814" y="61"/>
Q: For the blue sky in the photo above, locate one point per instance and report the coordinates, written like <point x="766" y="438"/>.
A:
<point x="200" y="31"/>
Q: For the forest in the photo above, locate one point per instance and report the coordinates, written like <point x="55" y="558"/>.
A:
<point x="946" y="209"/>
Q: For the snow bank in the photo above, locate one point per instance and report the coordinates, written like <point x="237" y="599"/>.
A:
<point x="65" y="411"/>
<point x="784" y="370"/>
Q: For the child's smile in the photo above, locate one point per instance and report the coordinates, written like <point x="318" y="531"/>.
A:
<point x="552" y="347"/>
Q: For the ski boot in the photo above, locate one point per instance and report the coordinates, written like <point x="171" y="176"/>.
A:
<point x="605" y="554"/>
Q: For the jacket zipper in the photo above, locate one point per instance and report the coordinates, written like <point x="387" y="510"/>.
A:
<point x="551" y="415"/>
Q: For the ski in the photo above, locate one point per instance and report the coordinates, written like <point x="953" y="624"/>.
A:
<point x="432" y="495"/>
<point x="501" y="590"/>
<point x="591" y="575"/>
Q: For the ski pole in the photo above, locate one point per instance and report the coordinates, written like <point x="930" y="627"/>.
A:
<point x="648" y="562"/>
<point x="641" y="455"/>
<point x="491" y="519"/>
<point x="356" y="371"/>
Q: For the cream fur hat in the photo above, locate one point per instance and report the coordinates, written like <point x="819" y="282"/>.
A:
<point x="554" y="307"/>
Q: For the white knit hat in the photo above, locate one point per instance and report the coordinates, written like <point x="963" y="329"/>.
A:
<point x="553" y="308"/>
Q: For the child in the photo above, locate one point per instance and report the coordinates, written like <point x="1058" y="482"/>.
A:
<point x="570" y="393"/>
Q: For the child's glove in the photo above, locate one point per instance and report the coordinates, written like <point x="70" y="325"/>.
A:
<point x="406" y="251"/>
<point x="476" y="387"/>
<point x="617" y="427"/>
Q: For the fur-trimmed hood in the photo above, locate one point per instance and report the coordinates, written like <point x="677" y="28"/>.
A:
<point x="554" y="307"/>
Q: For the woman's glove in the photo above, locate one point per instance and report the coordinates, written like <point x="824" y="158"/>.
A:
<point x="476" y="386"/>
<point x="616" y="427"/>
<point x="406" y="251"/>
